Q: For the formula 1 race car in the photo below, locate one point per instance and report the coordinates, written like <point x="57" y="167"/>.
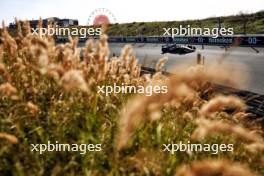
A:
<point x="177" y="49"/>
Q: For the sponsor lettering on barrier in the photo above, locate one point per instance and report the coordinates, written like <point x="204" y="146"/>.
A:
<point x="153" y="39"/>
<point x="130" y="39"/>
<point x="252" y="41"/>
<point x="220" y="40"/>
<point x="181" y="40"/>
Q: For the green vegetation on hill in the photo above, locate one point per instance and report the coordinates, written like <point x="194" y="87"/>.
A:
<point x="254" y="24"/>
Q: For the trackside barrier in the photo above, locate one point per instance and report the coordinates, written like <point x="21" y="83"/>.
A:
<point x="243" y="41"/>
<point x="247" y="41"/>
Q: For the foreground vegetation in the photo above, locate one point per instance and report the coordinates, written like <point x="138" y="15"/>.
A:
<point x="49" y="93"/>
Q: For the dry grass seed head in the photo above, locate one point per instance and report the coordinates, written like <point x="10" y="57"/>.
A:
<point x="161" y="63"/>
<point x="74" y="79"/>
<point x="1" y="54"/>
<point x="220" y="102"/>
<point x="213" y="167"/>
<point x="9" y="44"/>
<point x="4" y="73"/>
<point x="7" y="89"/>
<point x="255" y="147"/>
<point x="18" y="28"/>
<point x="209" y="127"/>
<point x="33" y="109"/>
<point x="11" y="138"/>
